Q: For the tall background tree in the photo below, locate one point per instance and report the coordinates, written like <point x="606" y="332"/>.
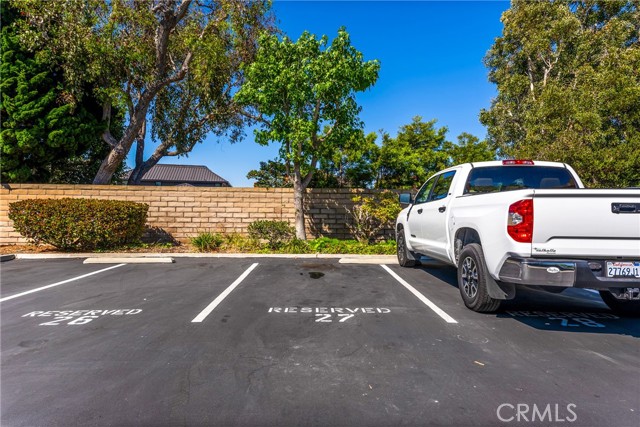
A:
<point x="352" y="165"/>
<point x="404" y="161"/>
<point x="45" y="137"/>
<point x="568" y="79"/>
<point x="469" y="149"/>
<point x="171" y="65"/>
<point x="302" y="95"/>
<point x="416" y="152"/>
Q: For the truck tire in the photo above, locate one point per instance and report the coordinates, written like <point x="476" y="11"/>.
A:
<point x="472" y="280"/>
<point x="406" y="258"/>
<point x="624" y="308"/>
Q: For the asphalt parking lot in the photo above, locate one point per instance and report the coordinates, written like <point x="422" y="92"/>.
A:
<point x="301" y="342"/>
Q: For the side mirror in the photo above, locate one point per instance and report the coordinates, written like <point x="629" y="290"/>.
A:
<point x="405" y="199"/>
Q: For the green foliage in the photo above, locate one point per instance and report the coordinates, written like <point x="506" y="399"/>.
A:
<point x="271" y="174"/>
<point x="242" y="244"/>
<point x="469" y="149"/>
<point x="276" y="233"/>
<point x="406" y="161"/>
<point x="370" y="215"/>
<point x="352" y="165"/>
<point x="302" y="95"/>
<point x="326" y="245"/>
<point x="172" y="66"/>
<point x="79" y="223"/>
<point x="568" y="80"/>
<point x="207" y="242"/>
<point x="295" y="246"/>
<point x="416" y="153"/>
<point x="235" y="242"/>
<point x="45" y="136"/>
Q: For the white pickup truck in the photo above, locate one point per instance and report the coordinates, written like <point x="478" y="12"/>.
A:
<point x="512" y="223"/>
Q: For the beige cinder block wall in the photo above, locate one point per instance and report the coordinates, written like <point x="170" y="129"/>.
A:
<point x="184" y="211"/>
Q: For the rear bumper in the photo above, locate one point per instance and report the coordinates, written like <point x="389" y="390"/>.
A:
<point x="562" y="273"/>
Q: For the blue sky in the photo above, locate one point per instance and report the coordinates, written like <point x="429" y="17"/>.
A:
<point x="431" y="65"/>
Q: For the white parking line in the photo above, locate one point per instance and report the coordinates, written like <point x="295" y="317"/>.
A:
<point x="421" y="297"/>
<point x="204" y="313"/>
<point x="58" y="283"/>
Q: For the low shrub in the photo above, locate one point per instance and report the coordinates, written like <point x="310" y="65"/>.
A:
<point x="276" y="233"/>
<point x="372" y="214"/>
<point x="207" y="242"/>
<point x="295" y="246"/>
<point x="234" y="242"/>
<point x="79" y="224"/>
<point x="326" y="245"/>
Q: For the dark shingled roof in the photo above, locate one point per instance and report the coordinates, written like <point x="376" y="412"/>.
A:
<point x="182" y="173"/>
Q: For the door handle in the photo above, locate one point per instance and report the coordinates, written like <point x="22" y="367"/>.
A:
<point x="442" y="209"/>
<point x="419" y="211"/>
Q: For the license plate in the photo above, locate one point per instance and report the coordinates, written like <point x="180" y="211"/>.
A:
<point x="623" y="268"/>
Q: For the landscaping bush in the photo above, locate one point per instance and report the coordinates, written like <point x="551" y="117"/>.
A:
<point x="295" y="246"/>
<point x="207" y="242"/>
<point x="373" y="214"/>
<point x="85" y="224"/>
<point x="276" y="233"/>
<point x="326" y="245"/>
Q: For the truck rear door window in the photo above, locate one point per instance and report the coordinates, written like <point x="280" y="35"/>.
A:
<point x="492" y="179"/>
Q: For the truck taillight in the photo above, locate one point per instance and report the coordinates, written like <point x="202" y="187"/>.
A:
<point x="511" y="162"/>
<point x="520" y="221"/>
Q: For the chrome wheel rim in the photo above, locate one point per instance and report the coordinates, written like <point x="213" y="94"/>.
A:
<point x="469" y="274"/>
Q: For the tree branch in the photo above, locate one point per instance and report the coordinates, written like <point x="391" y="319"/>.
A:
<point x="309" y="176"/>
<point x="259" y="118"/>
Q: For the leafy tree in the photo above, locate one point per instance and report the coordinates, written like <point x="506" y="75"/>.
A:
<point x="171" y="65"/>
<point x="44" y="136"/>
<point x="568" y="79"/>
<point x="417" y="152"/>
<point x="302" y="94"/>
<point x="271" y="174"/>
<point x="352" y="165"/>
<point x="469" y="149"/>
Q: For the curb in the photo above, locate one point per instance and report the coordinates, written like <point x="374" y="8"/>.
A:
<point x="370" y="259"/>
<point x="129" y="260"/>
<point x="152" y="257"/>
<point x="9" y="257"/>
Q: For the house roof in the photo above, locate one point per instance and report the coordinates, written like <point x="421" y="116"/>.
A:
<point x="182" y="173"/>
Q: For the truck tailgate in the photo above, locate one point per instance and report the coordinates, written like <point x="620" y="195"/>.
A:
<point x="584" y="223"/>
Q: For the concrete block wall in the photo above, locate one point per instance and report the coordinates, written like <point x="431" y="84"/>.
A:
<point x="183" y="212"/>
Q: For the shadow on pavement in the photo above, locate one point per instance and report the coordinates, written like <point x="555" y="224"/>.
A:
<point x="574" y="310"/>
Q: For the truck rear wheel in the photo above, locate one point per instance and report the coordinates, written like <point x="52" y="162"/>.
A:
<point x="622" y="307"/>
<point x="472" y="280"/>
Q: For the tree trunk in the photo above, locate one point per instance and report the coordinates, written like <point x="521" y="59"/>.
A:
<point x="109" y="166"/>
<point x="298" y="204"/>
<point x="141" y="169"/>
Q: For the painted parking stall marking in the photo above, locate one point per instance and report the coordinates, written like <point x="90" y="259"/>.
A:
<point x="421" y="297"/>
<point x="330" y="314"/>
<point x="566" y="319"/>
<point x="77" y="317"/>
<point x="73" y="279"/>
<point x="208" y="309"/>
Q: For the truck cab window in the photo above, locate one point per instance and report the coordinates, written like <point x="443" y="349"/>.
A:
<point x="423" y="194"/>
<point x="442" y="185"/>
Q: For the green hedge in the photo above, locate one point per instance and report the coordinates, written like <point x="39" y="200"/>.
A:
<point x="276" y="233"/>
<point x="79" y="223"/>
